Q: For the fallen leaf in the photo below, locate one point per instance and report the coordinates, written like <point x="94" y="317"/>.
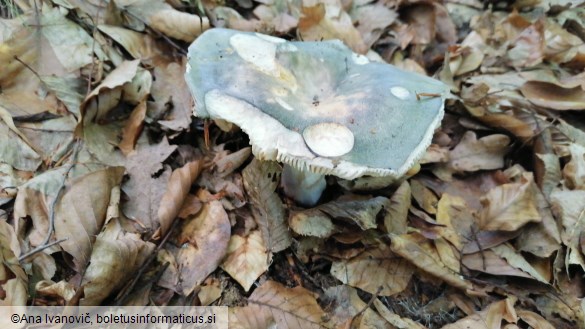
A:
<point x="260" y="180"/>
<point x="509" y="206"/>
<point x="327" y="22"/>
<point x="273" y="303"/>
<point x="472" y="154"/>
<point x="412" y="248"/>
<point x="246" y="259"/>
<point x="376" y="271"/>
<point x="116" y="257"/>
<point x="204" y="243"/>
<point x="133" y="128"/>
<point x="147" y="183"/>
<point x="177" y="189"/>
<point x="311" y="222"/>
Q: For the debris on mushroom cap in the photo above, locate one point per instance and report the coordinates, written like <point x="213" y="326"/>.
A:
<point x="315" y="105"/>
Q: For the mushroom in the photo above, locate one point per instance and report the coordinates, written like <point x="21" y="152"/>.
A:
<point x="317" y="107"/>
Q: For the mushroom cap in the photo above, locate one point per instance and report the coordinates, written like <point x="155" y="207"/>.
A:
<point x="291" y="98"/>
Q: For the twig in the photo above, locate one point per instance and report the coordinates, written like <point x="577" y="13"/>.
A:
<point x="369" y="304"/>
<point x="46" y="244"/>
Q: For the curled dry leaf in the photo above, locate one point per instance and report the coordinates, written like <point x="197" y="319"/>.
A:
<point x="108" y="94"/>
<point x="204" y="241"/>
<point x="133" y="128"/>
<point x="273" y="303"/>
<point x="246" y="259"/>
<point x="160" y="16"/>
<point x="377" y="271"/>
<point x="116" y="257"/>
<point x="371" y="20"/>
<point x="509" y="206"/>
<point x="553" y="96"/>
<point x="177" y="189"/>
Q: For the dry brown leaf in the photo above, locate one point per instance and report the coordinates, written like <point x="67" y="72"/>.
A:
<point x="108" y="94"/>
<point x="281" y="15"/>
<point x="509" y="206"/>
<point x="14" y="279"/>
<point x="425" y="198"/>
<point x="61" y="290"/>
<point x="416" y="249"/>
<point x="395" y="319"/>
<point x="162" y="17"/>
<point x="361" y="212"/>
<point x="177" y="189"/>
<point x="472" y="154"/>
<point x="543" y="238"/>
<point x="376" y="271"/>
<point x="348" y="308"/>
<point x="554" y="97"/>
<point x="534" y="320"/>
<point x="133" y="128"/>
<point x="528" y="46"/>
<point x="490" y="318"/>
<point x="80" y="212"/>
<point x="455" y="216"/>
<point x="311" y="222"/>
<point x="274" y="305"/>
<point x="260" y="180"/>
<point x="147" y="183"/>
<point x="115" y="258"/>
<point x="396" y="216"/>
<point x="138" y="45"/>
<point x="246" y="259"/>
<point x="14" y="150"/>
<point x="372" y="20"/>
<point x="329" y="21"/>
<point x="574" y="171"/>
<point x="170" y="89"/>
<point x="569" y="209"/>
<point x="204" y="241"/>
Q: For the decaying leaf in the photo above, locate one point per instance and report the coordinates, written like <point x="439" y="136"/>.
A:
<point x="260" y="180"/>
<point x="204" y="243"/>
<point x="115" y="258"/>
<point x="376" y="271"/>
<point x="509" y="206"/>
<point x="419" y="253"/>
<point x="274" y="304"/>
<point x="177" y="189"/>
<point x="246" y="258"/>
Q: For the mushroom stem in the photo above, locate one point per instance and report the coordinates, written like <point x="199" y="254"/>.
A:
<point x="302" y="185"/>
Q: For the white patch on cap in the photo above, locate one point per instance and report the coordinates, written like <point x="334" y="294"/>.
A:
<point x="359" y="59"/>
<point x="400" y="92"/>
<point x="329" y="139"/>
<point x="284" y="104"/>
<point x="256" y="51"/>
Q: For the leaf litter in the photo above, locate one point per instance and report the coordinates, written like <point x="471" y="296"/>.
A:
<point x="104" y="172"/>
